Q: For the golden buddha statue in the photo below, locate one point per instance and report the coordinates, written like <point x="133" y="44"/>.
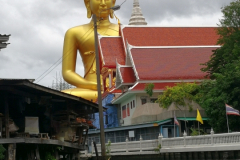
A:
<point x="81" y="38"/>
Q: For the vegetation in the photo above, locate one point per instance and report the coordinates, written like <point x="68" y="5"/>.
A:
<point x="195" y="132"/>
<point x="46" y="152"/>
<point x="108" y="148"/>
<point x="229" y="40"/>
<point x="158" y="148"/>
<point x="224" y="89"/>
<point x="149" y="89"/>
<point x="178" y="95"/>
<point x="2" y="150"/>
<point x="224" y="69"/>
<point x="48" y="156"/>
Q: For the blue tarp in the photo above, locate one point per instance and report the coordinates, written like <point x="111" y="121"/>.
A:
<point x="110" y="116"/>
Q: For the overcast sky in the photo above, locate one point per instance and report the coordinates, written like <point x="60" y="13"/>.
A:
<point x="37" y="29"/>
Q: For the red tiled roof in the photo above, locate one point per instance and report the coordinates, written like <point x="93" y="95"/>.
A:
<point x="111" y="90"/>
<point x="157" y="86"/>
<point x="128" y="75"/>
<point x="112" y="50"/>
<point x="115" y="90"/>
<point x="170" y="63"/>
<point x="170" y="36"/>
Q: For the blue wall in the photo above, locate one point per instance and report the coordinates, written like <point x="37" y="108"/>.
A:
<point x="111" y="114"/>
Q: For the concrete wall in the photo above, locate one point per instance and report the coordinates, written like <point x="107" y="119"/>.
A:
<point x="180" y="111"/>
<point x="150" y="112"/>
<point x="138" y="103"/>
<point x="223" y="155"/>
<point x="127" y="120"/>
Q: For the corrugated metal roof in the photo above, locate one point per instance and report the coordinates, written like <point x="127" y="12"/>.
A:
<point x="28" y="86"/>
<point x="13" y="79"/>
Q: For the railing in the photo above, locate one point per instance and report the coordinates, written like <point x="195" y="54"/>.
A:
<point x="203" y="140"/>
<point x="130" y="146"/>
<point x="185" y="142"/>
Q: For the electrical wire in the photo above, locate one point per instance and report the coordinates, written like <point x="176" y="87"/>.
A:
<point x="123" y="2"/>
<point x="62" y="58"/>
<point x="45" y="73"/>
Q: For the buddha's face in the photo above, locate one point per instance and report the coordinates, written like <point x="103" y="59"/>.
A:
<point x="100" y="7"/>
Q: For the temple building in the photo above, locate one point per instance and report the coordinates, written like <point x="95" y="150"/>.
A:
<point x="163" y="56"/>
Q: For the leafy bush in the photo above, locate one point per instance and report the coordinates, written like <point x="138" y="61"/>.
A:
<point x="149" y="89"/>
<point x="2" y="150"/>
<point x="178" y="94"/>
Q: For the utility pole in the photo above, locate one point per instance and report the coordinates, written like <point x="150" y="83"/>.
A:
<point x="100" y="108"/>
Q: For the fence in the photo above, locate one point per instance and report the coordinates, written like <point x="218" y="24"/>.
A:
<point x="226" y="141"/>
<point x="131" y="147"/>
<point x="204" y="140"/>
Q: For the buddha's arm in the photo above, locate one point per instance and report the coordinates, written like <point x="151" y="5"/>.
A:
<point x="69" y="63"/>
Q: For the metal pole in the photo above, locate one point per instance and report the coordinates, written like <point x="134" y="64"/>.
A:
<point x="185" y="123"/>
<point x="227" y="122"/>
<point x="102" y="135"/>
<point x="174" y="123"/>
<point x="198" y="129"/>
<point x="95" y="147"/>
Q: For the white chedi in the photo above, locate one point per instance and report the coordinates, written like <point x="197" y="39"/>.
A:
<point x="137" y="16"/>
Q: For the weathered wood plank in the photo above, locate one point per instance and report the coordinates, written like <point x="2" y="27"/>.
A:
<point x="11" y="151"/>
<point x="6" y="108"/>
<point x="11" y="140"/>
<point x="57" y="155"/>
<point x="41" y="141"/>
<point x="80" y="133"/>
<point x="85" y="138"/>
<point x="37" y="153"/>
<point x="0" y="127"/>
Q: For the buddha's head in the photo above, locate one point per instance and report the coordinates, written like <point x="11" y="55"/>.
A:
<point x="99" y="8"/>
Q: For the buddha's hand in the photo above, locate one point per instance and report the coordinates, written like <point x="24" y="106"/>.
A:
<point x="89" y="53"/>
<point x="88" y="85"/>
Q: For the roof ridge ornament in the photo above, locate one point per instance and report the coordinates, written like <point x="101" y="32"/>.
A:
<point x="129" y="46"/>
<point x="137" y="17"/>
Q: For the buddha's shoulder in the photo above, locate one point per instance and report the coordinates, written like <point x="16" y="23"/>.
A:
<point x="113" y="30"/>
<point x="78" y="29"/>
<point x="114" y="26"/>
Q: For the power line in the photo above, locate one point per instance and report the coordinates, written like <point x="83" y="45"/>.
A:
<point x="45" y="73"/>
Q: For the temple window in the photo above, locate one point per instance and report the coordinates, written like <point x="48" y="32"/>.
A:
<point x="153" y="100"/>
<point x="143" y="100"/>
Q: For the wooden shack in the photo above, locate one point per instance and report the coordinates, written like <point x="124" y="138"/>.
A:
<point x="38" y="122"/>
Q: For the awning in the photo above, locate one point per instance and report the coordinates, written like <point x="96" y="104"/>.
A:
<point x="145" y="125"/>
<point x="158" y="123"/>
<point x="191" y="118"/>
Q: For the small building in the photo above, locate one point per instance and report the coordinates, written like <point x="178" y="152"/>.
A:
<point x="36" y="121"/>
<point x="3" y="40"/>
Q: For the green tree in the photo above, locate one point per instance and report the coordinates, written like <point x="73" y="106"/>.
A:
<point x="149" y="89"/>
<point x="223" y="68"/>
<point x="178" y="95"/>
<point x="229" y="39"/>
<point x="2" y="150"/>
<point x="213" y="95"/>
